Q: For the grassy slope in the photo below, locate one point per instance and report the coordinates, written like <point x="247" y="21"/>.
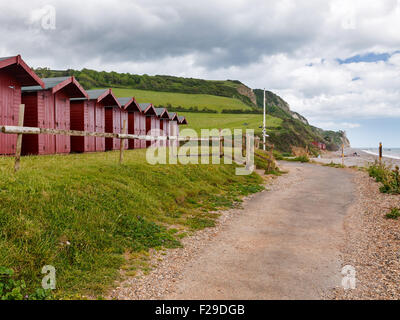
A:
<point x="182" y="99"/>
<point x="88" y="216"/>
<point x="198" y="121"/>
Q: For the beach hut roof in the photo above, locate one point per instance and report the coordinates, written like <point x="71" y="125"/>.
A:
<point x="69" y="84"/>
<point x="105" y="96"/>
<point x="21" y="71"/>
<point x="162" y="113"/>
<point x="129" y="104"/>
<point x="147" y="108"/>
<point x="173" y="116"/>
<point x="182" y="120"/>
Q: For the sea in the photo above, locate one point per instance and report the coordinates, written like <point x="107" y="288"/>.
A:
<point x="392" y="153"/>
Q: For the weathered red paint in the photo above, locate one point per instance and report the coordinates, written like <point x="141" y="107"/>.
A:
<point x="148" y="121"/>
<point x="49" y="107"/>
<point x="161" y="125"/>
<point x="132" y="108"/>
<point x="89" y="115"/>
<point x="173" y="128"/>
<point x="113" y="123"/>
<point x="14" y="73"/>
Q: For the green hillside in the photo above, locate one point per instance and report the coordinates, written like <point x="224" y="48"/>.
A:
<point x="92" y="79"/>
<point x="185" y="100"/>
<point x="238" y="106"/>
<point x="198" y="121"/>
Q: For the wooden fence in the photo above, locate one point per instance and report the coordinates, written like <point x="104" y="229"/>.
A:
<point x="20" y="130"/>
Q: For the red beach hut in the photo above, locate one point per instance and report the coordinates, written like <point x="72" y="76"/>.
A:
<point x="130" y="113"/>
<point x="182" y="121"/>
<point x="14" y="73"/>
<point x="49" y="107"/>
<point x="173" y="128"/>
<point x="133" y="110"/>
<point x="163" y="117"/>
<point x="89" y="115"/>
<point x="113" y="118"/>
<point x="150" y="121"/>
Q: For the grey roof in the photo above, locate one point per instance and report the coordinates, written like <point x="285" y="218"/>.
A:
<point x="144" y="106"/>
<point x="160" y="111"/>
<point x="181" y="118"/>
<point x="123" y="101"/>
<point x="93" y="94"/>
<point x="49" y="83"/>
<point x="172" y="115"/>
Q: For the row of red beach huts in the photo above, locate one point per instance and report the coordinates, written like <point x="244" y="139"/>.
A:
<point x="62" y="103"/>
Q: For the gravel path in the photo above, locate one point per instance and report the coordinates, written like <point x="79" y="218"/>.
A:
<point x="283" y="244"/>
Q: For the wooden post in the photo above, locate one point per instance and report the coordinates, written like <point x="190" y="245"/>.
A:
<point x="342" y="154"/>
<point x="122" y="147"/>
<point x="380" y="152"/>
<point x="19" y="138"/>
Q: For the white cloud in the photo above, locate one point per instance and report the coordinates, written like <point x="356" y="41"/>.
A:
<point x="287" y="46"/>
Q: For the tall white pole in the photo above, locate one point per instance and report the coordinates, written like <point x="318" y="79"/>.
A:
<point x="264" y="125"/>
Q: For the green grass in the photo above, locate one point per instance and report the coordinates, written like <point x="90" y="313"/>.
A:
<point x="87" y="215"/>
<point x="389" y="179"/>
<point x="198" y="121"/>
<point x="302" y="159"/>
<point x="334" y="165"/>
<point x="182" y="99"/>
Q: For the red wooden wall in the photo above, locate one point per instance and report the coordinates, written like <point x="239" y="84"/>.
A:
<point x="100" y="112"/>
<point x="113" y="117"/>
<point x="174" y="131"/>
<point x="134" y="128"/>
<point x="10" y="99"/>
<point x="151" y="126"/>
<point x="164" y="130"/>
<point x="142" y="123"/>
<point x="87" y="115"/>
<point x="46" y="110"/>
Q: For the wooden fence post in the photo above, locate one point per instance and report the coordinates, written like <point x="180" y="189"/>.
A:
<point x="122" y="147"/>
<point x="19" y="138"/>
<point x="342" y="154"/>
<point x="380" y="152"/>
<point x="257" y="142"/>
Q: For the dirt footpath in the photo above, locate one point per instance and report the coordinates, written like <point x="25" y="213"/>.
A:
<point x="283" y="245"/>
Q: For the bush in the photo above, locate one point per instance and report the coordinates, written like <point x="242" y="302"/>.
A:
<point x="302" y="159"/>
<point x="390" y="179"/>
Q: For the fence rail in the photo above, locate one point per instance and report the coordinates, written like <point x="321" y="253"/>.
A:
<point x="20" y="130"/>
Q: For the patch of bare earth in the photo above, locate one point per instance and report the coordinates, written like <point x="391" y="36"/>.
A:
<point x="372" y="244"/>
<point x="169" y="264"/>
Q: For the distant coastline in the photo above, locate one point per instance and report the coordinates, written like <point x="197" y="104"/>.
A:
<point x="391" y="155"/>
<point x="360" y="157"/>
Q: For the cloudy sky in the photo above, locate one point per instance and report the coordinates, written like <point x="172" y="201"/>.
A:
<point x="337" y="62"/>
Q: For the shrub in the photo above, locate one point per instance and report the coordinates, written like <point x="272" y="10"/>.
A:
<point x="302" y="159"/>
<point x="390" y="179"/>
